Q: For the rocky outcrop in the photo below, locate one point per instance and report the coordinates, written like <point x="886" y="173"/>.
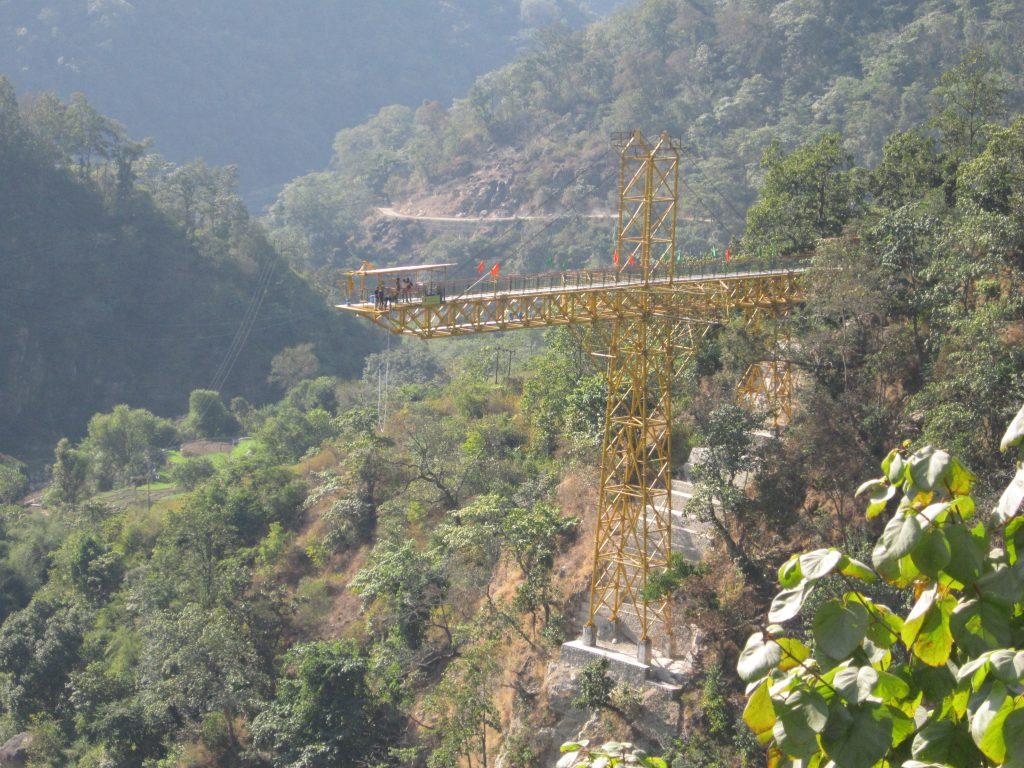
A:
<point x="14" y="752"/>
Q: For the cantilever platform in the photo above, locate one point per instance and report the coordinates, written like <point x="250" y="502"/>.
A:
<point x="574" y="297"/>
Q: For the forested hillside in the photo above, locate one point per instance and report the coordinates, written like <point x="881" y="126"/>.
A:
<point x="728" y="78"/>
<point x="263" y="85"/>
<point x="127" y="278"/>
<point x="343" y="590"/>
<point x="377" y="568"/>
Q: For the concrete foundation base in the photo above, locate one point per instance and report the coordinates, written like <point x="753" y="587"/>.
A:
<point x="623" y="664"/>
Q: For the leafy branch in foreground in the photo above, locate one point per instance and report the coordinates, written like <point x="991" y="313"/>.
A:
<point x="942" y="685"/>
<point x="608" y="755"/>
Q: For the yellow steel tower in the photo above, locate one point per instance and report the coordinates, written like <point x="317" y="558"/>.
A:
<point x="644" y="316"/>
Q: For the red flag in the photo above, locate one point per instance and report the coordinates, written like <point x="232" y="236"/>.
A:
<point x="480" y="268"/>
<point x="494" y="270"/>
<point x="631" y="261"/>
<point x="728" y="255"/>
<point x="615" y="258"/>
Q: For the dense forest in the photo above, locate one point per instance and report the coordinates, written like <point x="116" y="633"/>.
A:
<point x="728" y="78"/>
<point x="260" y="85"/>
<point x="377" y="566"/>
<point x="128" y="278"/>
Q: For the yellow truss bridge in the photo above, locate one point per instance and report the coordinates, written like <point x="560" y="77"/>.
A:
<point x="643" y="318"/>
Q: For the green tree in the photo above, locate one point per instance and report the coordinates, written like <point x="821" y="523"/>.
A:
<point x="207" y="415"/>
<point x="463" y="708"/>
<point x="126" y="443"/>
<point x="69" y="474"/>
<point x="938" y="685"/>
<point x="191" y="473"/>
<point x="91" y="567"/>
<point x="809" y="193"/>
<point x="324" y="713"/>
<point x="594" y="687"/>
<point x="970" y="97"/>
<point x="729" y="457"/>
<point x="200" y="660"/>
<point x="405" y="586"/>
<point x="13" y="480"/>
<point x="293" y="365"/>
<point x="39" y="648"/>
<point x="289" y="433"/>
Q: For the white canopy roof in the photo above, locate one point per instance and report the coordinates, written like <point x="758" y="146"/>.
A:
<point x="397" y="270"/>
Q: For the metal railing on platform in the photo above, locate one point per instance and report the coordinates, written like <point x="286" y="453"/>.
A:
<point x="439" y="292"/>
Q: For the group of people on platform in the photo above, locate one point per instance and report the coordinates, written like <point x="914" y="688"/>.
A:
<point x="386" y="296"/>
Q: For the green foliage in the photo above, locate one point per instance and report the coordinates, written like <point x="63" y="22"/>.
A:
<point x="594" y="686"/>
<point x="290" y="433"/>
<point x="13" y="481"/>
<point x="128" y="278"/>
<point x="69" y="474"/>
<point x="807" y="194"/>
<point x="193" y="472"/>
<point x="126" y="444"/>
<point x="405" y="585"/>
<point x="557" y="391"/>
<point x="91" y="567"/>
<point x="199" y="660"/>
<point x="969" y="99"/>
<point x="934" y="686"/>
<point x="608" y="755"/>
<point x="463" y="705"/>
<point x="324" y="713"/>
<point x="207" y="415"/>
<point x="713" y="703"/>
<point x="293" y="365"/>
<point x="663" y="583"/>
<point x="38" y="649"/>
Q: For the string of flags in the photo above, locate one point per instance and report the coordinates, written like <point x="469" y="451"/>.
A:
<point x="481" y="268"/>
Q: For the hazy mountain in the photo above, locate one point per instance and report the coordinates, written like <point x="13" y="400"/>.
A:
<point x="263" y="84"/>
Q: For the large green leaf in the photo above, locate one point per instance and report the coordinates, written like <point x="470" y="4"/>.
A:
<point x="802" y="715"/>
<point x="1008" y="665"/>
<point x="967" y="553"/>
<point x="1001" y="586"/>
<point x="1014" y="433"/>
<point x="928" y="466"/>
<point x="926" y="631"/>
<point x="839" y="627"/>
<point x="855" y="684"/>
<point x="893" y="467"/>
<point x="884" y="626"/>
<point x="1013" y="735"/>
<point x="879" y="499"/>
<point x="987" y="719"/>
<point x="946" y="742"/>
<point x="931" y="553"/>
<point x="758" y="657"/>
<point x="856" y="569"/>
<point x="793" y="653"/>
<point x="788" y="602"/>
<point x="898" y="539"/>
<point x="979" y="626"/>
<point x="1012" y="498"/>
<point x="789" y="573"/>
<point x="857" y="737"/>
<point x="759" y="714"/>
<point x="1013" y="537"/>
<point x="819" y="563"/>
